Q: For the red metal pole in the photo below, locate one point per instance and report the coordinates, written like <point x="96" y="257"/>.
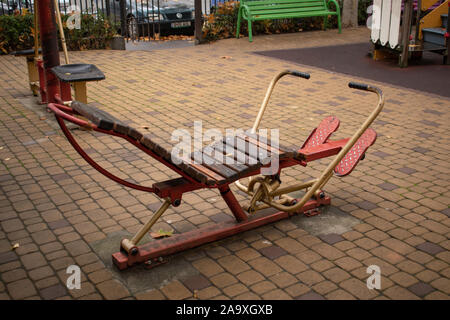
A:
<point x="232" y="203"/>
<point x="49" y="44"/>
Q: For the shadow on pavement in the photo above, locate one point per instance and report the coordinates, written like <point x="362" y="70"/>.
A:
<point x="428" y="74"/>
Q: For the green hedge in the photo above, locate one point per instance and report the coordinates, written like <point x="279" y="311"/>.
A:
<point x="16" y="33"/>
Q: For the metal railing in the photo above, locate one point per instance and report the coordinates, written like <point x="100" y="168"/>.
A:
<point x="134" y="19"/>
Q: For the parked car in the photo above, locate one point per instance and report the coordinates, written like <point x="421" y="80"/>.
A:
<point x="145" y="17"/>
<point x="5" y="9"/>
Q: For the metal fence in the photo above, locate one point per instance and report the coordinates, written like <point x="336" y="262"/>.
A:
<point x="141" y="19"/>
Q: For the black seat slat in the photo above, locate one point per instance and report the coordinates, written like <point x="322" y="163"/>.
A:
<point x="26" y="52"/>
<point x="212" y="164"/>
<point x="153" y="143"/>
<point x="121" y="128"/>
<point x="283" y="152"/>
<point x="249" y="149"/>
<point x="100" y="118"/>
<point x="237" y="161"/>
<point x="226" y="160"/>
<point x="216" y="150"/>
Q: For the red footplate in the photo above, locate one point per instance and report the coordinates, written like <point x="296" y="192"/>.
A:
<point x="320" y="134"/>
<point x="351" y="159"/>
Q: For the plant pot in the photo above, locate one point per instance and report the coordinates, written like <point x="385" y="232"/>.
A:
<point x="118" y="43"/>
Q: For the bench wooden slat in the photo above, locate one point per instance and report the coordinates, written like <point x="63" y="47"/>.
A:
<point x="216" y="151"/>
<point x="274" y="10"/>
<point x="152" y="142"/>
<point x="215" y="166"/>
<point x="249" y="149"/>
<point x="282" y="151"/>
<point x="243" y="169"/>
<point x="100" y="118"/>
<point x="286" y="5"/>
<point x="216" y="170"/>
<point x="288" y="15"/>
<point x="265" y="2"/>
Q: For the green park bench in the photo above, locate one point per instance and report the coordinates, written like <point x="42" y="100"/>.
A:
<point x="252" y="10"/>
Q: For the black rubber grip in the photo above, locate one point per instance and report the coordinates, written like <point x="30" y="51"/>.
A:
<point x="299" y="74"/>
<point x="359" y="86"/>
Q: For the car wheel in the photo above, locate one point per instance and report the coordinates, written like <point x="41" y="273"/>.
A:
<point x="132" y="27"/>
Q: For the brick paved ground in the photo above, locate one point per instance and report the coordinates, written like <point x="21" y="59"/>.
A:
<point x="58" y="208"/>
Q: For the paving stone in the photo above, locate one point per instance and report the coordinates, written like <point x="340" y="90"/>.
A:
<point x="291" y="264"/>
<point x="265" y="266"/>
<point x="8" y="257"/>
<point x="311" y="296"/>
<point x="310" y="277"/>
<point x="233" y="264"/>
<point x="340" y="295"/>
<point x="208" y="293"/>
<point x="53" y="292"/>
<point x="235" y="290"/>
<point x="399" y="293"/>
<point x="176" y="291"/>
<point x="263" y="287"/>
<point x="33" y="260"/>
<point x="13" y="275"/>
<point x="331" y="238"/>
<point x="21" y="289"/>
<point x="358" y="289"/>
<point x="430" y="248"/>
<point x="113" y="290"/>
<point x="225" y="279"/>
<point x="272" y="252"/>
<point x="196" y="282"/>
<point x="150" y="295"/>
<point x="207" y="266"/>
<point x="54" y="204"/>
<point x="421" y="289"/>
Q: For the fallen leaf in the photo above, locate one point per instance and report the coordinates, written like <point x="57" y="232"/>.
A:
<point x="15" y="246"/>
<point x="161" y="234"/>
<point x="42" y="118"/>
<point x="267" y="242"/>
<point x="7" y="159"/>
<point x="226" y="57"/>
<point x="195" y="294"/>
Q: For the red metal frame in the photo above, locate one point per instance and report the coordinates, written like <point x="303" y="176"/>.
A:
<point x="55" y="93"/>
<point x="175" y="188"/>
<point x="50" y="54"/>
<point x="180" y="242"/>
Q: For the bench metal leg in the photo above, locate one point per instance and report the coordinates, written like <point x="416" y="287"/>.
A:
<point x="250" y="39"/>
<point x="339" y="21"/>
<point x="238" y="28"/>
<point x="325" y="22"/>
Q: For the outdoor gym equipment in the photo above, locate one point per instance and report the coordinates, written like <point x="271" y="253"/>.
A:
<point x="392" y="28"/>
<point x="249" y="154"/>
<point x="265" y="191"/>
<point x="43" y="70"/>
